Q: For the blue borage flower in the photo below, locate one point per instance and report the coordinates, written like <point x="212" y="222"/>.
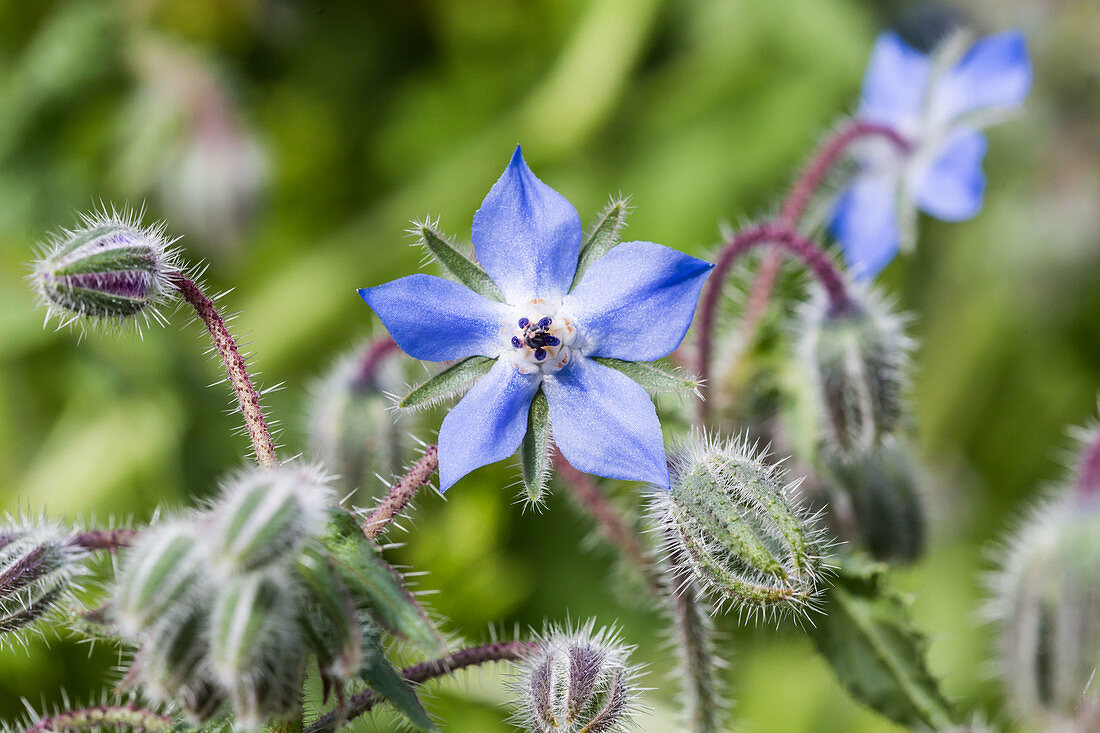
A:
<point x="938" y="103"/>
<point x="635" y="304"/>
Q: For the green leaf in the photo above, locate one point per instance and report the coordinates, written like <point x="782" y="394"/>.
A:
<point x="603" y="236"/>
<point x="465" y="270"/>
<point x="318" y="575"/>
<point x="868" y="637"/>
<point x="384" y="679"/>
<point x="655" y="376"/>
<point x="535" y="452"/>
<point x="376" y="586"/>
<point x="447" y="382"/>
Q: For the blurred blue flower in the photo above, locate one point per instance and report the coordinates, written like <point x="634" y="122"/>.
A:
<point x="938" y="104"/>
<point x="635" y="304"/>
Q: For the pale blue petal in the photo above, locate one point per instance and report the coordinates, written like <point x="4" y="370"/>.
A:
<point x="895" y="84"/>
<point x="438" y="320"/>
<point x="637" y="301"/>
<point x="953" y="187"/>
<point x="527" y="235"/>
<point x="487" y="424"/>
<point x="995" y="73"/>
<point x="865" y="222"/>
<point x="604" y="423"/>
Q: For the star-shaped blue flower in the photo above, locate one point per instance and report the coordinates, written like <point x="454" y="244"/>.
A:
<point x="938" y="105"/>
<point x="635" y="304"/>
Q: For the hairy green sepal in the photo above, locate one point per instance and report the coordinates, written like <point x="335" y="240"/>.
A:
<point x="654" y="376"/>
<point x="535" y="451"/>
<point x="447" y="382"/>
<point x="461" y="267"/>
<point x="602" y="237"/>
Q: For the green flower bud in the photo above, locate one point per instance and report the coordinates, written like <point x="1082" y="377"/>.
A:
<point x="353" y="428"/>
<point x="742" y="530"/>
<point x="576" y="682"/>
<point x="1047" y="605"/>
<point x="266" y="515"/>
<point x="161" y="568"/>
<point x="257" y="651"/>
<point x="39" y="567"/>
<point x="883" y="492"/>
<point x="109" y="268"/>
<point x="174" y="654"/>
<point x="859" y="360"/>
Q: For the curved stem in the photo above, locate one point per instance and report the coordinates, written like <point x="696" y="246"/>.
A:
<point x="610" y="522"/>
<point x="103" y="716"/>
<point x="815" y="258"/>
<point x="402" y="493"/>
<point x="813" y="175"/>
<point x="794" y="206"/>
<point x="373" y="357"/>
<point x="501" y="651"/>
<point x="235" y="368"/>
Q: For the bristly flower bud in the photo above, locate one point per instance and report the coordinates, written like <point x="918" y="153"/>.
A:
<point x="162" y="567"/>
<point x="742" y="530"/>
<point x="577" y="682"/>
<point x="39" y="566"/>
<point x="1047" y="606"/>
<point x="108" y="269"/>
<point x="858" y="355"/>
<point x="265" y="517"/>
<point x="353" y="429"/>
<point x="882" y="488"/>
<point x="256" y="647"/>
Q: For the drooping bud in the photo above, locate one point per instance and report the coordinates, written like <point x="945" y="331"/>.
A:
<point x="266" y="515"/>
<point x="576" y="681"/>
<point x="742" y="530"/>
<point x="882" y="489"/>
<point x="161" y="568"/>
<point x="858" y="356"/>
<point x="354" y="431"/>
<point x="256" y="647"/>
<point x="174" y="653"/>
<point x="108" y="269"/>
<point x="1047" y="606"/>
<point x="38" y="567"/>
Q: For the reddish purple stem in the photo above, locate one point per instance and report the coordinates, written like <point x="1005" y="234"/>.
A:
<point x="402" y="493"/>
<point x="1088" y="473"/>
<point x="373" y="357"/>
<point x="105" y="539"/>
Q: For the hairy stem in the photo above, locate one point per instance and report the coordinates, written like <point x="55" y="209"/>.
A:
<point x="373" y="357"/>
<point x="103" y="716"/>
<point x="1088" y="472"/>
<point x="693" y="633"/>
<point x="402" y="493"/>
<point x="611" y="523"/>
<point x="105" y="539"/>
<point x="786" y="238"/>
<point x="794" y="206"/>
<point x="235" y="368"/>
<point x="501" y="651"/>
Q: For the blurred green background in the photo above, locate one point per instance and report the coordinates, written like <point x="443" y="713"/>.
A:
<point x="290" y="143"/>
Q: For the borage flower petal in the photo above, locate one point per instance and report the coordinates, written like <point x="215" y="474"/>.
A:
<point x="995" y="73"/>
<point x="487" y="424"/>
<point x="637" y="301"/>
<point x="866" y="223"/>
<point x="527" y="235"/>
<point x="437" y="320"/>
<point x="952" y="188"/>
<point x="605" y="423"/>
<point x="895" y="82"/>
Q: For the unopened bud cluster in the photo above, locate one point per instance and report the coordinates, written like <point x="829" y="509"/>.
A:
<point x="731" y="516"/>
<point x="353" y="428"/>
<point x="576" y="681"/>
<point x="1047" y="606"/>
<point x="217" y="600"/>
<point x="858" y="355"/>
<point x="109" y="269"/>
<point x="39" y="566"/>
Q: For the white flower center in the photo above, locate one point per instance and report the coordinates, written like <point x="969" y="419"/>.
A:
<point x="542" y="339"/>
